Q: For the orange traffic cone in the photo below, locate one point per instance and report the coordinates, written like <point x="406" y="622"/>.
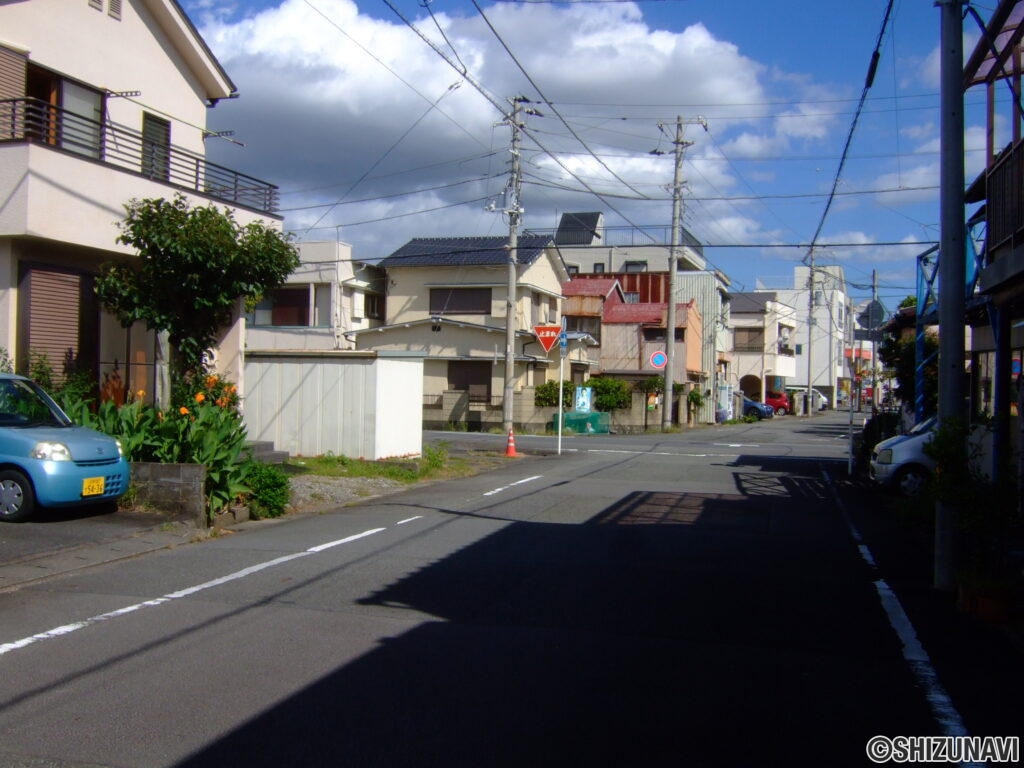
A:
<point x="510" y="450"/>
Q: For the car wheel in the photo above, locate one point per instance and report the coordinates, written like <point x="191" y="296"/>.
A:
<point x="752" y="412"/>
<point x="911" y="480"/>
<point x="17" y="501"/>
<point x="781" y="411"/>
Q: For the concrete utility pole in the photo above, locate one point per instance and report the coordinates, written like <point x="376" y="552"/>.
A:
<point x="809" y="397"/>
<point x="679" y="147"/>
<point x="952" y="252"/>
<point x="670" y="315"/>
<point x="514" y="212"/>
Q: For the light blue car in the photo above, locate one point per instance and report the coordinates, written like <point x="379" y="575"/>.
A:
<point x="48" y="461"/>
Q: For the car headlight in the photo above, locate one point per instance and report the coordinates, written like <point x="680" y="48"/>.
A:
<point x="51" y="452"/>
<point x="120" y="450"/>
<point x="884" y="456"/>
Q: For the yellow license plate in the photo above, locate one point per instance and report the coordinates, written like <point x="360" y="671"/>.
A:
<point x="92" y="486"/>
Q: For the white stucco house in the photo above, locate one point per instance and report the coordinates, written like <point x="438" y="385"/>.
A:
<point x="101" y="101"/>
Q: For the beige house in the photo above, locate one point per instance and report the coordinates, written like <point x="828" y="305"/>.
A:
<point x="764" y="334"/>
<point x="101" y="101"/>
<point x="447" y="300"/>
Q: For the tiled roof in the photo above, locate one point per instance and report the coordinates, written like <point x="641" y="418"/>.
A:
<point x="465" y="251"/>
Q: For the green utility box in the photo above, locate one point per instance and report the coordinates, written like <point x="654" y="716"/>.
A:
<point x="592" y="423"/>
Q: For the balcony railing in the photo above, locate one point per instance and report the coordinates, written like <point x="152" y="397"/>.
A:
<point x="35" y="121"/>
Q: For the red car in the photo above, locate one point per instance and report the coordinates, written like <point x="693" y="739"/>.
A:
<point x="779" y="402"/>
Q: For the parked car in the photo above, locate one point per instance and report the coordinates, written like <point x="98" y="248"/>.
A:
<point x="901" y="463"/>
<point x="779" y="402"/>
<point x="797" y="395"/>
<point x="48" y="461"/>
<point x="759" y="410"/>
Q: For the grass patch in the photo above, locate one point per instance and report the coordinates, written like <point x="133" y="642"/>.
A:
<point x="435" y="464"/>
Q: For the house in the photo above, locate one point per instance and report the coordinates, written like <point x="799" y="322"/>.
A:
<point x="825" y="324"/>
<point x="101" y="101"/>
<point x="764" y="358"/>
<point x="328" y="295"/>
<point x="447" y="299"/>
<point x="633" y="333"/>
<point x="638" y="260"/>
<point x="996" y="315"/>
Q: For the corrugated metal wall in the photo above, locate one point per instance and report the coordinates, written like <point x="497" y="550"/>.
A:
<point x="314" y="404"/>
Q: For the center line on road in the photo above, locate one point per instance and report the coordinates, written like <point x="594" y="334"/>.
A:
<point x="511" y="485"/>
<point x="75" y="626"/>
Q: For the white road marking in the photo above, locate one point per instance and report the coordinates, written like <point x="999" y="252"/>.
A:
<point x="188" y="591"/>
<point x="914" y="654"/>
<point x="666" y="453"/>
<point x="408" y="520"/>
<point x="512" y="485"/>
<point x="739" y="445"/>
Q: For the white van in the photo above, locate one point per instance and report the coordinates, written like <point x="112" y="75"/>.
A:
<point x="797" y="395"/>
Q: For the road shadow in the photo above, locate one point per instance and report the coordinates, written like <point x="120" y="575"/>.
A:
<point x="672" y="629"/>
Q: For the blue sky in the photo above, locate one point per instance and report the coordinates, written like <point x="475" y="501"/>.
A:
<point x="374" y="137"/>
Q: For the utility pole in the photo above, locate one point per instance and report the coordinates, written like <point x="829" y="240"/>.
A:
<point x="809" y="397"/>
<point x="514" y="212"/>
<point x="952" y="239"/>
<point x="670" y="316"/>
<point x="679" y="147"/>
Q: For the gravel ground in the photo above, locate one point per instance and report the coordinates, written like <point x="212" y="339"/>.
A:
<point x="311" y="493"/>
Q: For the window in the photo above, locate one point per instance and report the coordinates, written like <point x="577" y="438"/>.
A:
<point x="748" y="339"/>
<point x="64" y="113"/>
<point x="631" y="297"/>
<point x="634" y="266"/>
<point x="572" y="269"/>
<point x="460" y="301"/>
<point x="373" y="306"/>
<point x="283" y="306"/>
<point x="591" y="325"/>
<point x="599" y="269"/>
<point x="658" y="334"/>
<point x="156" y="147"/>
<point x="799" y="349"/>
<point x="473" y="377"/>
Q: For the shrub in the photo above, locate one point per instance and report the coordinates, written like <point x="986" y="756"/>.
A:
<point x="269" y="490"/>
<point x="610" y="394"/>
<point x="546" y="395"/>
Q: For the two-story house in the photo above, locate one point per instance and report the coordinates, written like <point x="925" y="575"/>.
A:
<point x="101" y="101"/>
<point x="447" y="299"/>
<point x="764" y="330"/>
<point x="328" y="295"/>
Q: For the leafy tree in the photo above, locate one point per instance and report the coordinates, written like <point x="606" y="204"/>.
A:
<point x="899" y="355"/>
<point x="194" y="264"/>
<point x="910" y="301"/>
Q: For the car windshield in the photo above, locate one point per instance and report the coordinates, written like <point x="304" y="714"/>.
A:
<point x="25" y="404"/>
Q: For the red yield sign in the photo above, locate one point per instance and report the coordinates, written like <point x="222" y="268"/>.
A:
<point x="547" y="335"/>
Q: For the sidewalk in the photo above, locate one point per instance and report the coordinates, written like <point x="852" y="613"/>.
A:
<point x="979" y="662"/>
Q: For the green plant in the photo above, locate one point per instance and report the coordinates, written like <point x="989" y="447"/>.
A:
<point x="269" y="490"/>
<point x="546" y="395"/>
<point x="6" y="364"/>
<point x="193" y="266"/>
<point x="434" y="457"/>
<point x="40" y="370"/>
<point x="610" y="394"/>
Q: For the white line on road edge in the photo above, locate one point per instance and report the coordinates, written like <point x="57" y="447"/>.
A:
<point x="916" y="656"/>
<point x="75" y="626"/>
<point x="512" y="485"/>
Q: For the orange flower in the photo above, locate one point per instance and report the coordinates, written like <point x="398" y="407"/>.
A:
<point x="183" y="411"/>
<point x="211" y="381"/>
<point x="232" y="389"/>
<point x="140" y="394"/>
<point x="222" y="402"/>
<point x="200" y="397"/>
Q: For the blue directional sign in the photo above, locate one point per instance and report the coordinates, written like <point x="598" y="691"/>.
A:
<point x="659" y="359"/>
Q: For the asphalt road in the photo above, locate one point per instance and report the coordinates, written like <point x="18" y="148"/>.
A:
<point x="690" y="599"/>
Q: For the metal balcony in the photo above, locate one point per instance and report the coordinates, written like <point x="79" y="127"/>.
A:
<point x="37" y="122"/>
